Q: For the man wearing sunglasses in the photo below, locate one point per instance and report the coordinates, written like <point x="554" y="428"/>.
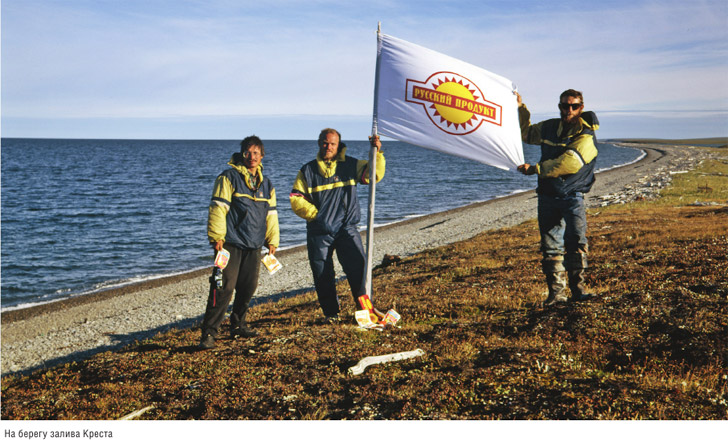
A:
<point x="565" y="173"/>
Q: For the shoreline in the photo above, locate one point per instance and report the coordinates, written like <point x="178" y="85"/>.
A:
<point x="23" y="311"/>
<point x="71" y="329"/>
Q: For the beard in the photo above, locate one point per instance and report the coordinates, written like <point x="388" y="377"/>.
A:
<point x="570" y="120"/>
<point x="322" y="154"/>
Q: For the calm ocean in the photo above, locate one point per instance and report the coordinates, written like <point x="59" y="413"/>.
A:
<point x="83" y="215"/>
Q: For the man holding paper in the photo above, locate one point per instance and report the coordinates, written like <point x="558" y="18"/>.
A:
<point x="242" y="217"/>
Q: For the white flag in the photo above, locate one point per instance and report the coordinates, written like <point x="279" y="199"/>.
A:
<point x="434" y="101"/>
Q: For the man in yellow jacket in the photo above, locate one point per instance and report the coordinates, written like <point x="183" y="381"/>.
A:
<point x="242" y="217"/>
<point x="565" y="173"/>
<point x="324" y="194"/>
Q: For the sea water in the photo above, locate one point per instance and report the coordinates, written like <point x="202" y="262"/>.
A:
<point x="84" y="215"/>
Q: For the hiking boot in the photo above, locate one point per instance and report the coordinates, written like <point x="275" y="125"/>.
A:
<point x="239" y="328"/>
<point x="557" y="288"/>
<point x="207" y="342"/>
<point x="576" y="263"/>
<point x="555" y="273"/>
<point x="243" y="331"/>
<point x="552" y="300"/>
<point x="583" y="297"/>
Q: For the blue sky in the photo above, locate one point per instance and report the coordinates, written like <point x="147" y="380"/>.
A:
<point x="222" y="69"/>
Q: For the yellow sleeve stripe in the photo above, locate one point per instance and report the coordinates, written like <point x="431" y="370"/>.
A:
<point x="331" y="186"/>
<point x="252" y="197"/>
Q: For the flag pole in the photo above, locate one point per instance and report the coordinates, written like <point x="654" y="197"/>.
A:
<point x="373" y="172"/>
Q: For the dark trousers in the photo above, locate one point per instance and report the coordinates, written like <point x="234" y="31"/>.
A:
<point x="240" y="277"/>
<point x="350" y="252"/>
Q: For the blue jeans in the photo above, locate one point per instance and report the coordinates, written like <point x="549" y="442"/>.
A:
<point x="562" y="224"/>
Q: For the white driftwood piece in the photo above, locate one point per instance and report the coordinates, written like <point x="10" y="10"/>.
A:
<point x="371" y="360"/>
<point x="136" y="413"/>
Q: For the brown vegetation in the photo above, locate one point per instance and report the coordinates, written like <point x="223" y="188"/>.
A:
<point x="653" y="344"/>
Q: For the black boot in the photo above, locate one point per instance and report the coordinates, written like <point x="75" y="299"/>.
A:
<point x="553" y="268"/>
<point x="207" y="342"/>
<point x="239" y="328"/>
<point x="576" y="263"/>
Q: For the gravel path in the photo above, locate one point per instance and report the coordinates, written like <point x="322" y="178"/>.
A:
<point x="55" y="333"/>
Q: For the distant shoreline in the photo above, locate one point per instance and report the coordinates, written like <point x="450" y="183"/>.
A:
<point x="719" y="141"/>
<point x="25" y="311"/>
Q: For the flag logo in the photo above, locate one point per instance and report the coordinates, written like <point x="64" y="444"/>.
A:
<point x="453" y="103"/>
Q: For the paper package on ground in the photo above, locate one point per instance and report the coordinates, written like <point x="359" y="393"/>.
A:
<point x="367" y="317"/>
<point x="271" y="264"/>
<point x="392" y="317"/>
<point x="364" y="319"/>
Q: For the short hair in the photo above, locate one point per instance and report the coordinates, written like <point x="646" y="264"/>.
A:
<point x="572" y="93"/>
<point x="325" y="132"/>
<point x="252" y="141"/>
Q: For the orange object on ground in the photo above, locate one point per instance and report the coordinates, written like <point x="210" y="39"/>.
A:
<point x="365" y="303"/>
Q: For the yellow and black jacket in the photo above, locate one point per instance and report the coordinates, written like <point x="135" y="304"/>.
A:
<point x="567" y="157"/>
<point x="242" y="212"/>
<point x="324" y="193"/>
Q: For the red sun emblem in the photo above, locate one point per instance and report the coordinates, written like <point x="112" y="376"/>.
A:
<point x="453" y="103"/>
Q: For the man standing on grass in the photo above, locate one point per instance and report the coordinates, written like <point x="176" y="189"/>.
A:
<point x="242" y="217"/>
<point x="565" y="172"/>
<point x="324" y="194"/>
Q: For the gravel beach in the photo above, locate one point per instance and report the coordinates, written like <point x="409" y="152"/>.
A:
<point x="69" y="330"/>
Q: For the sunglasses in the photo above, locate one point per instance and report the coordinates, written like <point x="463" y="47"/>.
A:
<point x="568" y="106"/>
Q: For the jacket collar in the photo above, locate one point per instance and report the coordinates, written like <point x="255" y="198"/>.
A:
<point x="578" y="128"/>
<point x="328" y="168"/>
<point x="236" y="162"/>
